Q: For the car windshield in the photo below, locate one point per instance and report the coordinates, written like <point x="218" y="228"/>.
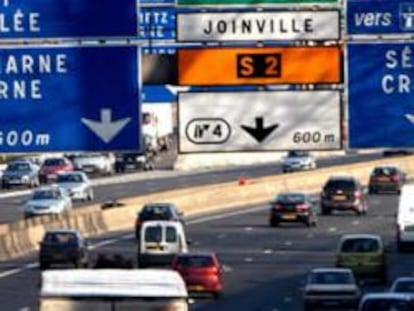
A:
<point x="157" y="212"/>
<point x="66" y="178"/>
<point x="387" y="305"/>
<point x="54" y="162"/>
<point x="195" y="261"/>
<point x="18" y="166"/>
<point x="45" y="194"/>
<point x="347" y="185"/>
<point x="385" y="171"/>
<point x="60" y="238"/>
<point x="404" y="287"/>
<point x="297" y="154"/>
<point x="362" y="245"/>
<point x="153" y="234"/>
<point x="331" y="278"/>
<point x="290" y="198"/>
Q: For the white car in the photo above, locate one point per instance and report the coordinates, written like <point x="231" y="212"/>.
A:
<point x="77" y="185"/>
<point x="331" y="287"/>
<point x="48" y="200"/>
<point x="94" y="163"/>
<point x="298" y="161"/>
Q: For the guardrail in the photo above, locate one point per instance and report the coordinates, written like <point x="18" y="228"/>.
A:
<point x="22" y="237"/>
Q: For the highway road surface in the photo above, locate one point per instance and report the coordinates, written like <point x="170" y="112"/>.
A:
<point x="264" y="267"/>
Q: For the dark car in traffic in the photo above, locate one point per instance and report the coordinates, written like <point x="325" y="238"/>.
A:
<point x="157" y="211"/>
<point x="386" y="178"/>
<point x="387" y="302"/>
<point x="63" y="247"/>
<point x="133" y="161"/>
<point x="202" y="273"/>
<point x="20" y="173"/>
<point x="293" y="207"/>
<point x="343" y="193"/>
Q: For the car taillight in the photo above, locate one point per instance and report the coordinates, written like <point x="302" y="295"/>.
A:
<point x="357" y="194"/>
<point x="302" y="208"/>
<point x="276" y="207"/>
<point x="138" y="222"/>
<point x="395" y="178"/>
<point x="213" y="270"/>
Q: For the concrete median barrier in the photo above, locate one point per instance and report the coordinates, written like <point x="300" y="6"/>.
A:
<point x="21" y="238"/>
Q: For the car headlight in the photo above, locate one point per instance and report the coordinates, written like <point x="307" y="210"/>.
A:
<point x="25" y="177"/>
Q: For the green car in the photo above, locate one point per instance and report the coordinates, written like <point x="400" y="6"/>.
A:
<point x="364" y="254"/>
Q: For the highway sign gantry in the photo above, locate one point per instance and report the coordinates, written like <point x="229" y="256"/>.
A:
<point x="67" y="19"/>
<point x="69" y="99"/>
<point x="381" y="107"/>
<point x="259" y="121"/>
<point x="261" y="65"/>
<point x="258" y="26"/>
<point x="253" y="2"/>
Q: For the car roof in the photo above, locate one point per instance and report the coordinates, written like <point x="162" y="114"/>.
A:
<point x="197" y="253"/>
<point x="74" y="231"/>
<point x="331" y="270"/>
<point x="113" y="283"/>
<point x="386" y="166"/>
<point x="404" y="296"/>
<point x="47" y="187"/>
<point x="293" y="193"/>
<point x="158" y="204"/>
<point x="404" y="279"/>
<point x="342" y="177"/>
<point x="20" y="161"/>
<point x="361" y="236"/>
<point x="154" y="223"/>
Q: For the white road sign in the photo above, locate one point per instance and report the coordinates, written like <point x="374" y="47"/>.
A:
<point x="256" y="121"/>
<point x="258" y="26"/>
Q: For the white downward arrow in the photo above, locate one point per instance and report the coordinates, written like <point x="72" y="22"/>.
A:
<point x="410" y="117"/>
<point x="175" y="89"/>
<point x="105" y="128"/>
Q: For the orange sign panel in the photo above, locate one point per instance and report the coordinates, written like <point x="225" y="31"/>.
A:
<point x="261" y="65"/>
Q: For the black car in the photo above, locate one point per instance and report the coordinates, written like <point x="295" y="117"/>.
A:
<point x="133" y="161"/>
<point x="157" y="211"/>
<point x="63" y="246"/>
<point x="386" y="178"/>
<point x="343" y="193"/>
<point x="293" y="207"/>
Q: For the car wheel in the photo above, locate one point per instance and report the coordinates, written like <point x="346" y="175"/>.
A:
<point x="274" y="223"/>
<point x="401" y="247"/>
<point x="326" y="210"/>
<point x="307" y="307"/>
<point x="5" y="186"/>
<point x="43" y="266"/>
<point x="90" y="195"/>
<point x="217" y="295"/>
<point x="398" y="191"/>
<point x="371" y="191"/>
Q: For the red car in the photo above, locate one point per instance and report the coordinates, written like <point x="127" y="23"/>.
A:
<point x="51" y="167"/>
<point x="201" y="272"/>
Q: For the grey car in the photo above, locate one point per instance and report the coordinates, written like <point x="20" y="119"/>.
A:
<point x="20" y="173"/>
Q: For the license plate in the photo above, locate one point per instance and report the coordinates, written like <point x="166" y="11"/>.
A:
<point x="382" y="178"/>
<point x="88" y="169"/>
<point x="195" y="288"/>
<point x="339" y="197"/>
<point x="154" y="247"/>
<point x="51" y="176"/>
<point x="289" y="216"/>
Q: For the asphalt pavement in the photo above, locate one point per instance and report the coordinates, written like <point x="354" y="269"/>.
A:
<point x="264" y="267"/>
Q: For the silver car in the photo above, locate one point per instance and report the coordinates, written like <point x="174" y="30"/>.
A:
<point x="77" y="185"/>
<point x="48" y="200"/>
<point x="298" y="161"/>
<point x="20" y="173"/>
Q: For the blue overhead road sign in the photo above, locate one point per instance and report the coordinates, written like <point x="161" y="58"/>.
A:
<point x="376" y="17"/>
<point x="37" y="19"/>
<point x="69" y="99"/>
<point x="381" y="95"/>
<point x="157" y="23"/>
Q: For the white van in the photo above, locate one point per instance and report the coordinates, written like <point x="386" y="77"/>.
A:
<point x="160" y="241"/>
<point x="112" y="290"/>
<point x="405" y="218"/>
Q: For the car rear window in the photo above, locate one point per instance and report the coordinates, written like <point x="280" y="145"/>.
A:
<point x="18" y="167"/>
<point x="69" y="178"/>
<point x="171" y="234"/>
<point x="54" y="162"/>
<point x="331" y="278"/>
<point x="153" y="234"/>
<point x="346" y="185"/>
<point x="158" y="212"/>
<point x="45" y="195"/>
<point x="290" y="198"/>
<point x="387" y="305"/>
<point x="61" y="238"/>
<point x="404" y="287"/>
<point x="384" y="171"/>
<point x="360" y="246"/>
<point x="195" y="261"/>
<point x="293" y="154"/>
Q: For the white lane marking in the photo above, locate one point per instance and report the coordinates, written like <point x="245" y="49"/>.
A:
<point x="248" y="259"/>
<point x="355" y="223"/>
<point x="287" y="299"/>
<point x="288" y="243"/>
<point x="267" y="251"/>
<point x="332" y="229"/>
<point x="24" y="309"/>
<point x="248" y="229"/>
<point x="227" y="268"/>
<point x="221" y="236"/>
<point x="33" y="265"/>
<point x="310" y="235"/>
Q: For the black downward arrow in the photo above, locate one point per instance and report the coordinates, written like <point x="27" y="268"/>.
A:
<point x="259" y="132"/>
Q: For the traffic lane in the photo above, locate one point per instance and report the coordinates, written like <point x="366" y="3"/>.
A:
<point x="259" y="261"/>
<point x="12" y="207"/>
